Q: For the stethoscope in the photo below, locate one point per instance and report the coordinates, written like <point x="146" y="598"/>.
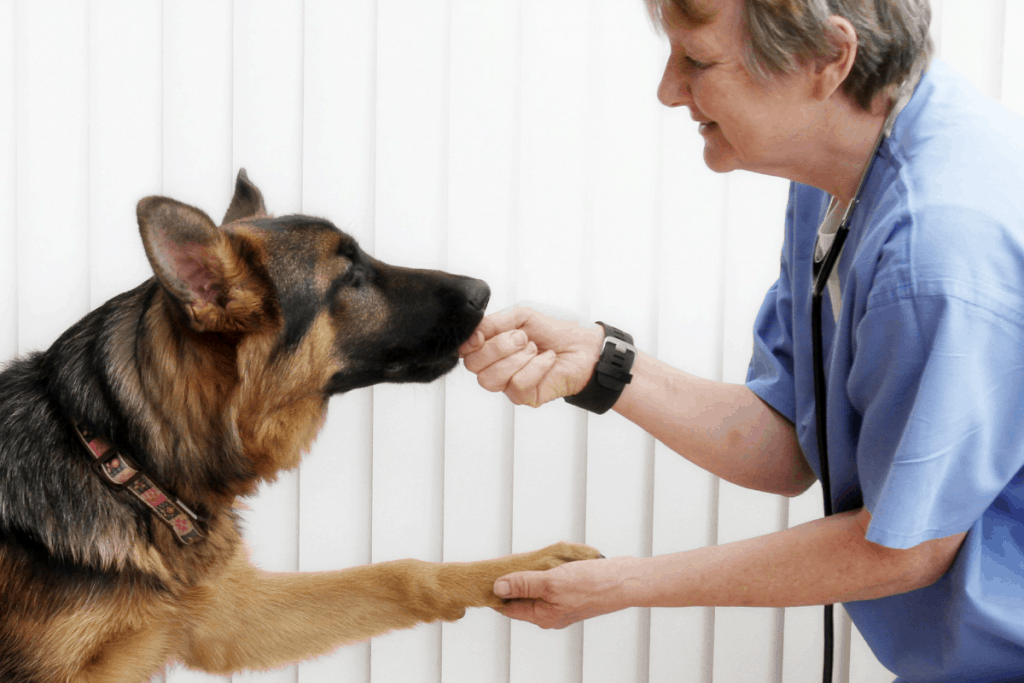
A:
<point x="821" y="271"/>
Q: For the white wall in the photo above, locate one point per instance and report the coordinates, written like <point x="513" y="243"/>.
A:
<point x="515" y="140"/>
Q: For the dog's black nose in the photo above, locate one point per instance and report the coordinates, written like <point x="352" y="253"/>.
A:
<point x="477" y="294"/>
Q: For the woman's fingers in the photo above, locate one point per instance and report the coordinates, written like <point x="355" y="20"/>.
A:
<point x="494" y="325"/>
<point x="496" y="349"/>
<point x="502" y="364"/>
<point x="530" y="357"/>
<point x="475" y="341"/>
<point x="526" y="386"/>
<point x="497" y="375"/>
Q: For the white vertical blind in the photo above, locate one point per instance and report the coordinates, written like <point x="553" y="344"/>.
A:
<point x="51" y="121"/>
<point x="481" y="163"/>
<point x="8" y="185"/>
<point x="515" y="140"/>
<point x="124" y="139"/>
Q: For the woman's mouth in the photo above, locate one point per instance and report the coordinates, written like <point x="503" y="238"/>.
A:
<point x="706" y="127"/>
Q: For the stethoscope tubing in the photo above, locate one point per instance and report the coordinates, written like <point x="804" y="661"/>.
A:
<point x="821" y="420"/>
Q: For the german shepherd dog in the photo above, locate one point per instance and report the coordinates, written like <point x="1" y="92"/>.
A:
<point x="124" y="447"/>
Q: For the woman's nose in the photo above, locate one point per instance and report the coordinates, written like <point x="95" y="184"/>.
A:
<point x="674" y="89"/>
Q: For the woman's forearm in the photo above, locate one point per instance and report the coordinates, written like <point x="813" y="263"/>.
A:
<point x="723" y="428"/>
<point x="821" y="562"/>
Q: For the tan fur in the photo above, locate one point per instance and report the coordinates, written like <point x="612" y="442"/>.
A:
<point x="253" y="619"/>
<point x="278" y="406"/>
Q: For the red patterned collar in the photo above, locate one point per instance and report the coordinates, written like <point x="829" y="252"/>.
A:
<point x="121" y="473"/>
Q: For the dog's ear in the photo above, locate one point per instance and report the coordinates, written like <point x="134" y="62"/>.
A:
<point x="201" y="266"/>
<point x="247" y="202"/>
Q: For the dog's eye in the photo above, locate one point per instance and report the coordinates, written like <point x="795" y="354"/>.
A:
<point x="353" y="277"/>
<point x="350" y="279"/>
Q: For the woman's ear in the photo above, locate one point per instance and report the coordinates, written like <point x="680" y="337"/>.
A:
<point x="832" y="71"/>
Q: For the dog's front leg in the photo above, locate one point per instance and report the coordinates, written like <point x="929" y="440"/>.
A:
<point x="249" y="619"/>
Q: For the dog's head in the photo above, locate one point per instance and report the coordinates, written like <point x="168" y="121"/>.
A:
<point x="300" y="294"/>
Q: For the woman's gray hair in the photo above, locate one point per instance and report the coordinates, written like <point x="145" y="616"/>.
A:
<point x="892" y="37"/>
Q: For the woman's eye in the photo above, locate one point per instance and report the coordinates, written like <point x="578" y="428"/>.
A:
<point x="695" y="64"/>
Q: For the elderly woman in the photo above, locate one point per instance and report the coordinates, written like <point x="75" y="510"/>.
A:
<point x="923" y="330"/>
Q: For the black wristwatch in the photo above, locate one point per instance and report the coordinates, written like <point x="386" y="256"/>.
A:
<point x="611" y="374"/>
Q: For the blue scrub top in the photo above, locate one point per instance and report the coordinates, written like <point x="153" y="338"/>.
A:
<point x="925" y="373"/>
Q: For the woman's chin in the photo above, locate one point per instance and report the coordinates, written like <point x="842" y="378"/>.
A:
<point x="716" y="160"/>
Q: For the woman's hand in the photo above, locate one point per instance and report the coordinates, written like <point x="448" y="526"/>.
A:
<point x="566" y="594"/>
<point x="533" y="358"/>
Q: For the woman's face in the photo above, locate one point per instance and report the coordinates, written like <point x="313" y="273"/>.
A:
<point x="746" y="123"/>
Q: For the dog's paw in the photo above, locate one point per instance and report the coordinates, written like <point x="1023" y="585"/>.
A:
<point x="560" y="553"/>
<point x="473" y="582"/>
<point x="536" y="561"/>
<point x="545" y="558"/>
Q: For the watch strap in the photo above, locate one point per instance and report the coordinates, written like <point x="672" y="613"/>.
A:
<point x="611" y="374"/>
